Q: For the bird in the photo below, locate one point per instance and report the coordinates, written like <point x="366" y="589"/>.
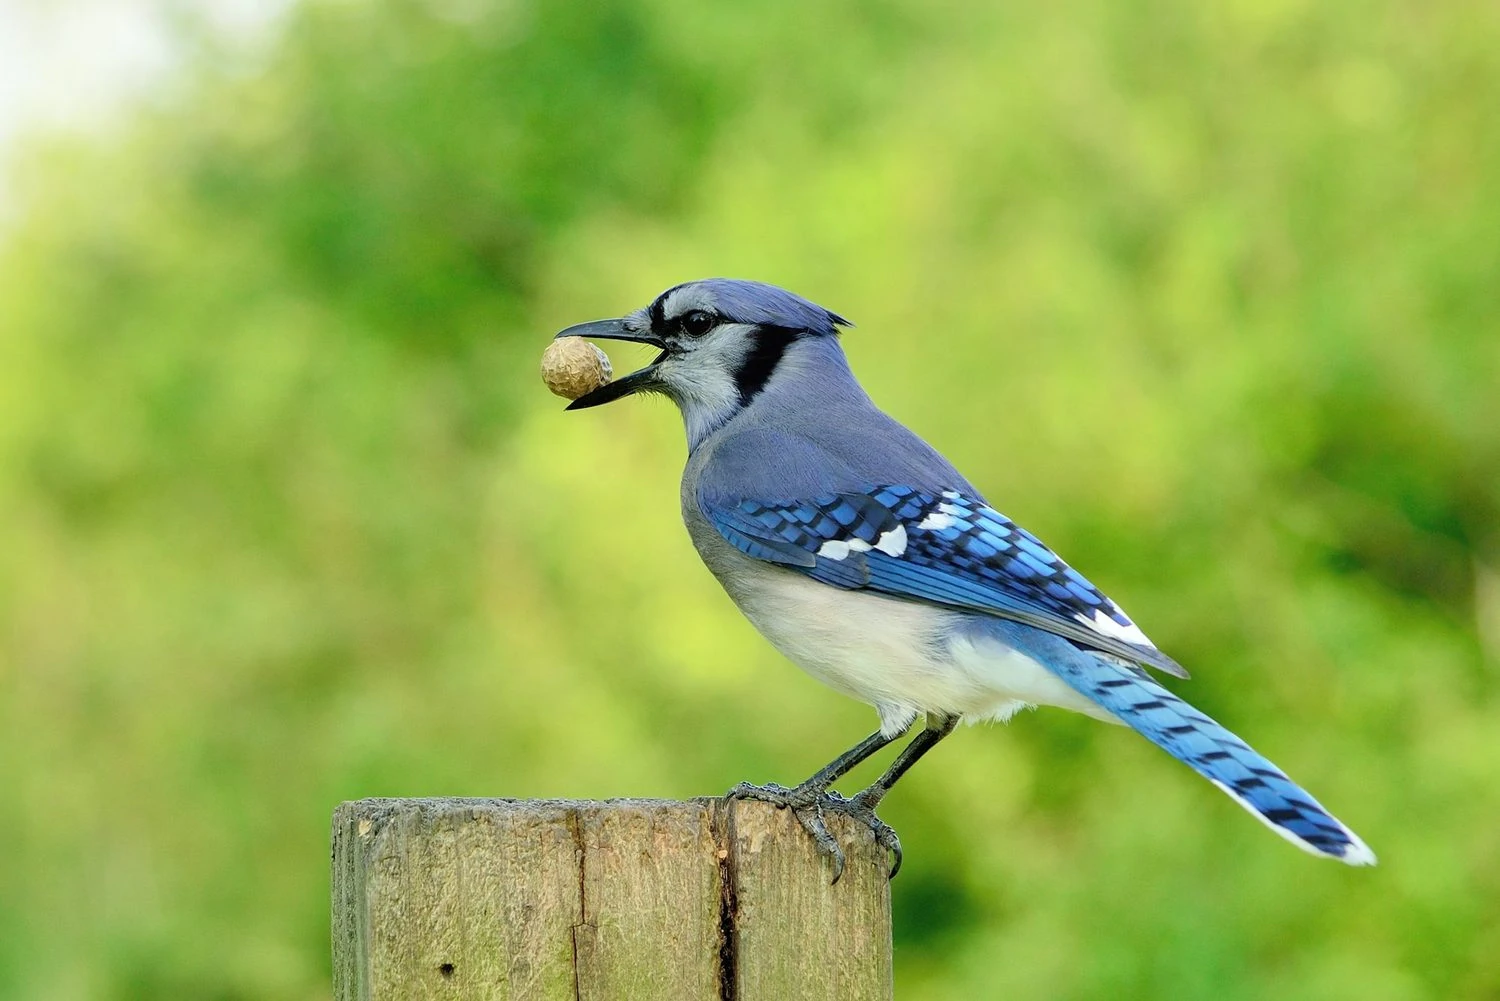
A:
<point x="870" y="562"/>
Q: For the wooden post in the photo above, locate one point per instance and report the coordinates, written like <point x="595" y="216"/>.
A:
<point x="533" y="900"/>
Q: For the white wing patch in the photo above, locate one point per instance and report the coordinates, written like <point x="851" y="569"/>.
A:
<point x="946" y="516"/>
<point x="892" y="543"/>
<point x="837" y="549"/>
<point x="833" y="549"/>
<point x="1106" y="626"/>
<point x="937" y="521"/>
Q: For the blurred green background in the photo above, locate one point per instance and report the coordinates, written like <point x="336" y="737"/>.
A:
<point x="1204" y="295"/>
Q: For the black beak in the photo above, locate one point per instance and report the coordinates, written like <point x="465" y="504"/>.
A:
<point x="617" y="330"/>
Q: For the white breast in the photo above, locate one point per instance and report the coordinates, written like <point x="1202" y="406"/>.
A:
<point x="902" y="657"/>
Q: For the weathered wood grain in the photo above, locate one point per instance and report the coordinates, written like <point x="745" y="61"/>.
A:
<point x="461" y="899"/>
<point x="781" y="886"/>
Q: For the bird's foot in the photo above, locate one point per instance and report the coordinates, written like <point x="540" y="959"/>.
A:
<point x="803" y="795"/>
<point x="861" y="808"/>
<point x="809" y="804"/>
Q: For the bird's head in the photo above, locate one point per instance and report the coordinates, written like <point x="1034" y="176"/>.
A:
<point x="721" y="341"/>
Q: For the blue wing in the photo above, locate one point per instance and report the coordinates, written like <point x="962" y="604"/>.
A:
<point x="945" y="548"/>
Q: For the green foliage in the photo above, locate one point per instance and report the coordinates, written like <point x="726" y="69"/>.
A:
<point x="1202" y="294"/>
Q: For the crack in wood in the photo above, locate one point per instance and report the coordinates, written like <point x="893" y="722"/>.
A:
<point x="723" y="824"/>
<point x="580" y="852"/>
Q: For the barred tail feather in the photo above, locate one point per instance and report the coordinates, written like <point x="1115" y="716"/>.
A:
<point x="1217" y="754"/>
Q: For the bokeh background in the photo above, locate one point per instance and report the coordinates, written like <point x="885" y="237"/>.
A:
<point x="1203" y="294"/>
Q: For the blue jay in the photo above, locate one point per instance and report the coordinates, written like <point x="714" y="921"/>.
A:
<point x="871" y="563"/>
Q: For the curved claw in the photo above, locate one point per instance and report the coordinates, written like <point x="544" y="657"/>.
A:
<point x="811" y="819"/>
<point x="808" y="805"/>
<point x="860" y="809"/>
<point x="885" y="835"/>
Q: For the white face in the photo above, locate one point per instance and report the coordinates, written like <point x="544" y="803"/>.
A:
<point x="705" y="354"/>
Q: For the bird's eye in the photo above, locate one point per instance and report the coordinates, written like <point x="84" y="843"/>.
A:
<point x="696" y="323"/>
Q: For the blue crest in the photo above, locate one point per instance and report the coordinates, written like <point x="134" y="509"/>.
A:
<point x="742" y="301"/>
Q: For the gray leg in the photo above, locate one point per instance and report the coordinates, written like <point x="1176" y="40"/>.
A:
<point x="812" y="799"/>
<point x="813" y="787"/>
<point x="809" y="798"/>
<point x="862" y="806"/>
<point x="937" y="728"/>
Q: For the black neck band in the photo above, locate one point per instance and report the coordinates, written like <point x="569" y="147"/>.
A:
<point x="767" y="346"/>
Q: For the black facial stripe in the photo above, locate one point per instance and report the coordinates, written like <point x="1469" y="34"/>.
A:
<point x="658" y="312"/>
<point x="767" y="345"/>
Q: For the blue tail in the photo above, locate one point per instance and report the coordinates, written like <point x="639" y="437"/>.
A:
<point x="1213" y="752"/>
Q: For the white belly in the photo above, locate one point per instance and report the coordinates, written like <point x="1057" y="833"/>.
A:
<point x="902" y="657"/>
